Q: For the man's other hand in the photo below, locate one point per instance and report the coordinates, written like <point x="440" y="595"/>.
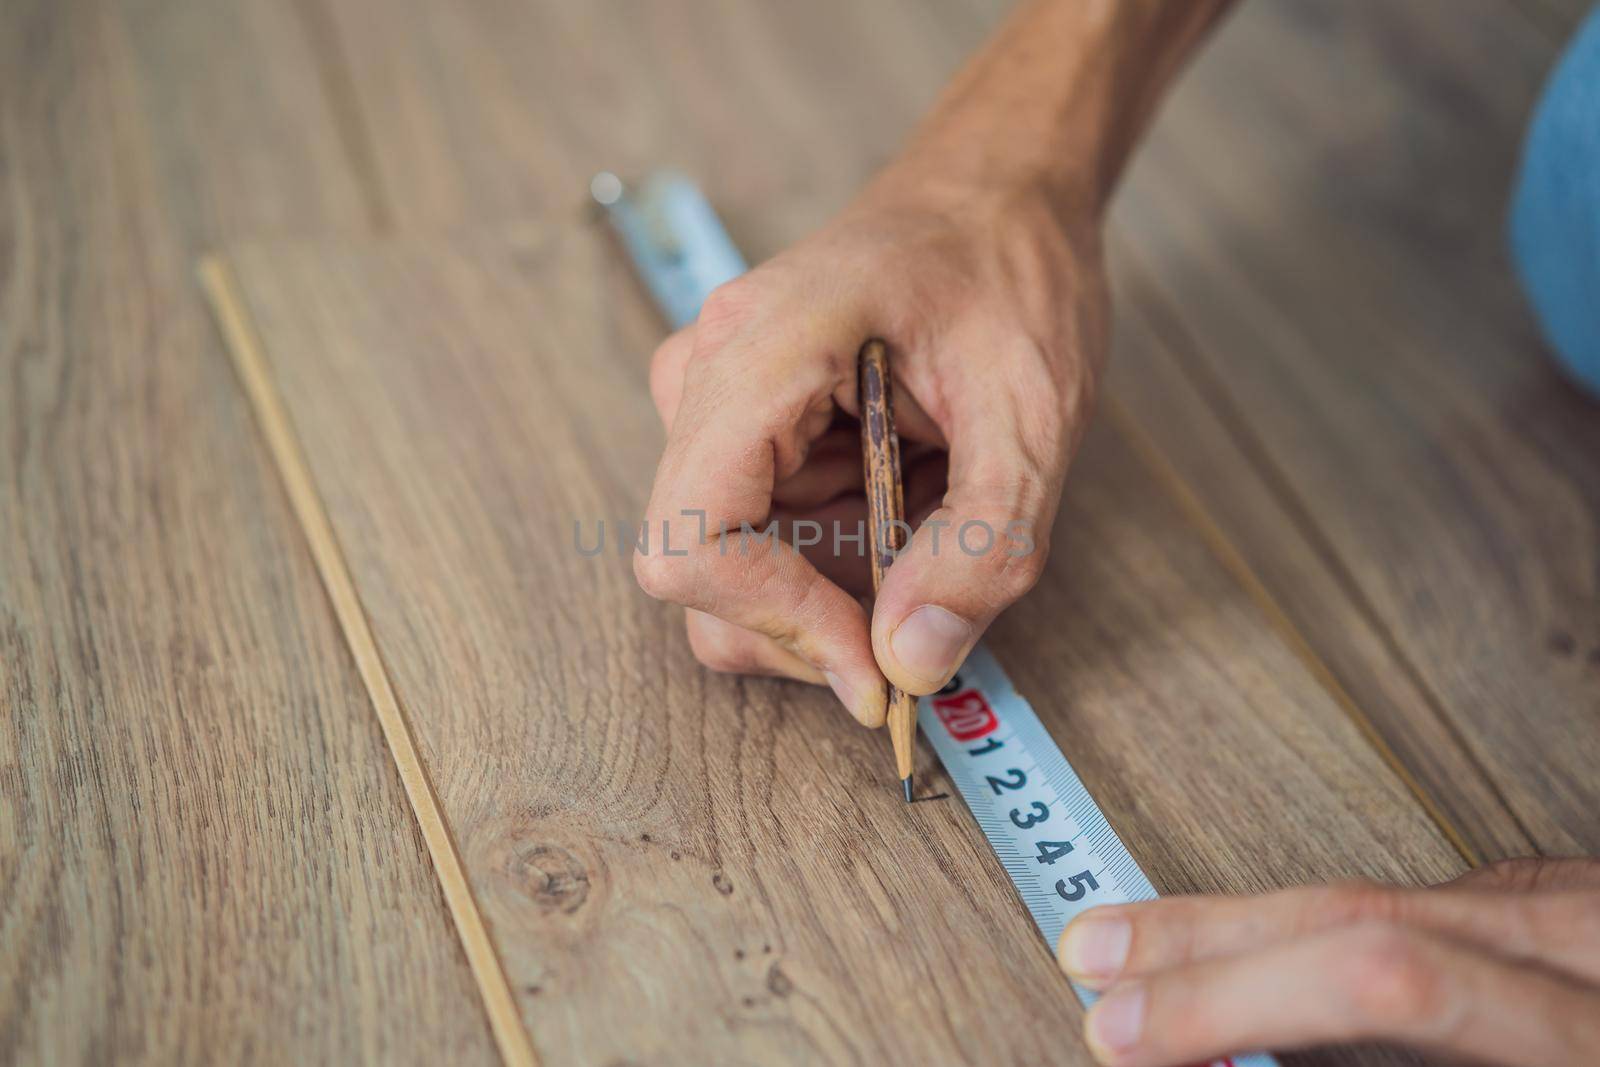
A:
<point x="1501" y="965"/>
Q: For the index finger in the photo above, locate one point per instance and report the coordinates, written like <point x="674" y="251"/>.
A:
<point x="750" y="407"/>
<point x="1128" y="940"/>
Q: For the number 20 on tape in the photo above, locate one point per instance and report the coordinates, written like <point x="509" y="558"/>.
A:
<point x="966" y="715"/>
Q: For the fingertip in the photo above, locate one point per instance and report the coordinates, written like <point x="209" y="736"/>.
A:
<point x="1094" y="948"/>
<point x="1115" y="1024"/>
<point x="922" y="652"/>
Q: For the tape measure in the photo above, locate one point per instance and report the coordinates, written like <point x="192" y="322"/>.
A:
<point x="1048" y="833"/>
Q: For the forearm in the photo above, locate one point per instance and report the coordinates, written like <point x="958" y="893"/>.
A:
<point x="1059" y="96"/>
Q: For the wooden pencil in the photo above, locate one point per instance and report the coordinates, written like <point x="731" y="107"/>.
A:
<point x="888" y="533"/>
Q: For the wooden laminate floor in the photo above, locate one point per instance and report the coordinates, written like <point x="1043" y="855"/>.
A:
<point x="205" y="852"/>
<point x="717" y="860"/>
<point x="1340" y="521"/>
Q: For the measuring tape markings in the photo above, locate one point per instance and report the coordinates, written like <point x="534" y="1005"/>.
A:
<point x="1031" y="805"/>
<point x="681" y="250"/>
<point x="988" y="736"/>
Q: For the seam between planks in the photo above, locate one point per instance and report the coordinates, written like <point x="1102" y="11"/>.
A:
<point x="322" y="37"/>
<point x="244" y="345"/>
<point x="1232" y="559"/>
<point x="1215" y="393"/>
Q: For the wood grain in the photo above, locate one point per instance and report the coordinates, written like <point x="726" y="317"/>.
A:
<point x="274" y="421"/>
<point x="1198" y="434"/>
<point x="204" y="852"/>
<point x="1325" y="338"/>
<point x="485" y="112"/>
<point x="678" y="866"/>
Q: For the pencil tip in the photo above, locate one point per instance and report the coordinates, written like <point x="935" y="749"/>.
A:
<point x="905" y="783"/>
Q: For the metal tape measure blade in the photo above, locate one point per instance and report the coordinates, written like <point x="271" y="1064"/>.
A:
<point x="1032" y="806"/>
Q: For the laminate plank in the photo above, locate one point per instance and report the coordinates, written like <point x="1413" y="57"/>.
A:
<point x="486" y="112"/>
<point x="1283" y="553"/>
<point x="205" y="854"/>
<point x="1331" y="281"/>
<point x="678" y="866"/>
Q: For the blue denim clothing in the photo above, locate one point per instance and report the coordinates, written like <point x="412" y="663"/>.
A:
<point x="1555" y="208"/>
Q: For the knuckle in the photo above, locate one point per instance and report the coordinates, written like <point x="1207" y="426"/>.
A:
<point x="1007" y="536"/>
<point x="667" y="363"/>
<point x="728" y="304"/>
<point x="1392" y="981"/>
<point x="1009" y="556"/>
<point x="1017" y="575"/>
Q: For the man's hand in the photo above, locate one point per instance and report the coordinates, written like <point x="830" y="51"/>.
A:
<point x="976" y="257"/>
<point x="995" y="310"/>
<point x="1502" y="965"/>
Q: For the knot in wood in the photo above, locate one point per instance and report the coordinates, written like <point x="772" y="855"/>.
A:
<point x="551" y="877"/>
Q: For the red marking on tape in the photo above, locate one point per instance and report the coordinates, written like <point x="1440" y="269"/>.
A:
<point x="966" y="715"/>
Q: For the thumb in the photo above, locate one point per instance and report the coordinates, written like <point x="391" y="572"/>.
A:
<point x="968" y="561"/>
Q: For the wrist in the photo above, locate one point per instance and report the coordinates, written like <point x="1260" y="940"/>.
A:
<point x="1057" y="99"/>
<point x="1036" y="202"/>
<point x="962" y="163"/>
